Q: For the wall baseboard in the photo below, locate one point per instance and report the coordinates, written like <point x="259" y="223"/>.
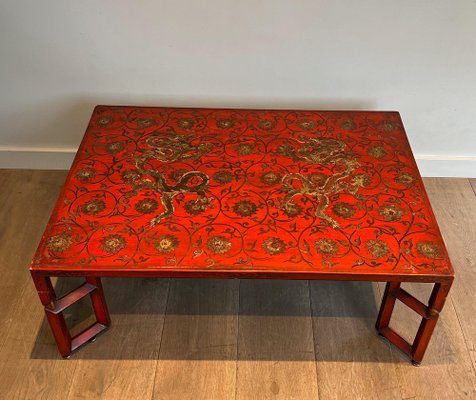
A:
<point x="31" y="158"/>
<point x="447" y="166"/>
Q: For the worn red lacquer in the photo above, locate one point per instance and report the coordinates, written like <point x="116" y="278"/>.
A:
<point x="244" y="192"/>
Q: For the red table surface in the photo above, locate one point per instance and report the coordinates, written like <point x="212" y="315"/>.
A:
<point x="243" y="192"/>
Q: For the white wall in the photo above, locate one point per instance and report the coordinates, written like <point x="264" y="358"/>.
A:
<point x="60" y="58"/>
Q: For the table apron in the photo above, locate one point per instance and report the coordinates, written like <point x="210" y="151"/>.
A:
<point x="265" y="274"/>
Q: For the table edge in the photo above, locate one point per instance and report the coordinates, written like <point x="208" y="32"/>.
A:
<point x="240" y="274"/>
<point x="223" y="273"/>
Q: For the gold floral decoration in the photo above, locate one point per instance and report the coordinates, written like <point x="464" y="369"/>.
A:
<point x="244" y="149"/>
<point x="113" y="244"/>
<point x="196" y="207"/>
<point x="114" y="147"/>
<point x="59" y="243"/>
<point x="327" y="247"/>
<point x="86" y="174"/>
<point x="428" y="249"/>
<point x="391" y="212"/>
<point x="405" y="179"/>
<point x="273" y="246"/>
<point x="291" y="209"/>
<point x="306" y="124"/>
<point x="222" y="176"/>
<point x="378" y="248"/>
<point x="348" y="125"/>
<point x="219" y="244"/>
<point x="266" y="124"/>
<point x="105" y="121"/>
<point x="270" y="178"/>
<point x="166" y="243"/>
<point x="225" y="123"/>
<point x="186" y="123"/>
<point x="388" y="126"/>
<point x="145" y="122"/>
<point x="343" y="209"/>
<point x="377" y="152"/>
<point x="131" y="175"/>
<point x="245" y="208"/>
<point x="93" y="207"/>
<point x="146" y="206"/>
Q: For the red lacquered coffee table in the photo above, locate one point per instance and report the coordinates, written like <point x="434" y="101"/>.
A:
<point x="175" y="192"/>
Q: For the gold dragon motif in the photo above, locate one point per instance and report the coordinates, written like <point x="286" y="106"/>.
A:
<point x="168" y="149"/>
<point x="319" y="151"/>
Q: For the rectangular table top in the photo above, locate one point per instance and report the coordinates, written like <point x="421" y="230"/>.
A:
<point x="244" y="193"/>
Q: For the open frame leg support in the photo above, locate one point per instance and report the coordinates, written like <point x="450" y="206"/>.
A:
<point x="54" y="308"/>
<point x="429" y="314"/>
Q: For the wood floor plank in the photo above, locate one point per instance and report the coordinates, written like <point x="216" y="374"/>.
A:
<point x="198" y="351"/>
<point x="454" y="203"/>
<point x="23" y="376"/>
<point x="347" y="345"/>
<point x="122" y="362"/>
<point x="203" y="355"/>
<point x="26" y="199"/>
<point x="276" y="357"/>
<point x="472" y="181"/>
<point x="446" y="371"/>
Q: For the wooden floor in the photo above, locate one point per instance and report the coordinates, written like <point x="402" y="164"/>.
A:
<point x="231" y="339"/>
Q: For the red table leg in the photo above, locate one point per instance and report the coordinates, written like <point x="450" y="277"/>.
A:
<point x="54" y="308"/>
<point x="429" y="314"/>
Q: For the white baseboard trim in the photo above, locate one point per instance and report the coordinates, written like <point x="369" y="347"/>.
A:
<point x="447" y="166"/>
<point x="34" y="158"/>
